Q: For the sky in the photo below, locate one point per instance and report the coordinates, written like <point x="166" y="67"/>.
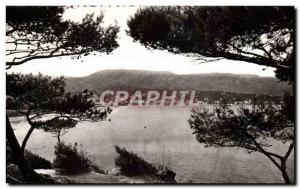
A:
<point x="131" y="55"/>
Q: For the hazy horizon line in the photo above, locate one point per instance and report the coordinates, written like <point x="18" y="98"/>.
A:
<point x="146" y="70"/>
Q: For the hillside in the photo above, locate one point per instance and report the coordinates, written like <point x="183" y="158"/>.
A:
<point x="138" y="79"/>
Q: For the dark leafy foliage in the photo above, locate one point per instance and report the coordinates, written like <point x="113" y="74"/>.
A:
<point x="40" y="32"/>
<point x="37" y="162"/>
<point x="132" y="165"/>
<point x="33" y="18"/>
<point x="70" y="160"/>
<point x="249" y="128"/>
<point x="58" y="123"/>
<point x="260" y="35"/>
<point x="34" y="90"/>
<point x="41" y="94"/>
<point x="37" y="96"/>
<point x="224" y="127"/>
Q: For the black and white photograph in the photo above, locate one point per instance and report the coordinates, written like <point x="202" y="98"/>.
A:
<point x="149" y="94"/>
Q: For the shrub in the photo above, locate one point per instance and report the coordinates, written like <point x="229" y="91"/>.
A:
<point x="69" y="160"/>
<point x="37" y="162"/>
<point x="132" y="165"/>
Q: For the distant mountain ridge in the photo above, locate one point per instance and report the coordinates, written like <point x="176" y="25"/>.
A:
<point x="141" y="79"/>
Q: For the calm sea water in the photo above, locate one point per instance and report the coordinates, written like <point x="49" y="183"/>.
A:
<point x="160" y="135"/>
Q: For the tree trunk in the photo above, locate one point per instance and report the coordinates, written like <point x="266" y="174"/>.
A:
<point x="58" y="142"/>
<point x="26" y="138"/>
<point x="283" y="164"/>
<point x="58" y="137"/>
<point x="18" y="157"/>
<point x="32" y="127"/>
<point x="285" y="176"/>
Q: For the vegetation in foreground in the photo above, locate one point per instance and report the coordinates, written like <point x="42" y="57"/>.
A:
<point x="131" y="164"/>
<point x="276" y="25"/>
<point x="36" y="161"/>
<point x="250" y="128"/>
<point x="14" y="176"/>
<point x="31" y="33"/>
<point x="71" y="160"/>
<point x="261" y="35"/>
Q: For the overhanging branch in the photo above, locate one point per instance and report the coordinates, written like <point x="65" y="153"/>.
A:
<point x="38" y="57"/>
